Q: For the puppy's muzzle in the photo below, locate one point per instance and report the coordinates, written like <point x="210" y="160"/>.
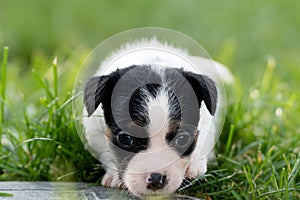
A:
<point x="156" y="181"/>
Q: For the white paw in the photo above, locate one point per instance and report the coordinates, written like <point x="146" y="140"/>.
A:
<point x="112" y="180"/>
<point x="196" y="168"/>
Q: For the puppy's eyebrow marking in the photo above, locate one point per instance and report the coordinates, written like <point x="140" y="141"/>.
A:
<point x="173" y="129"/>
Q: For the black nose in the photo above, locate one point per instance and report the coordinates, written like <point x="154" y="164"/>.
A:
<point x="156" y="181"/>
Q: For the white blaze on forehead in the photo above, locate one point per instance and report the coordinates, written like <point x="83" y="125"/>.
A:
<point x="158" y="109"/>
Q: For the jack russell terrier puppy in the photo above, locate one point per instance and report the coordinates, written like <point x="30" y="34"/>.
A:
<point x="150" y="115"/>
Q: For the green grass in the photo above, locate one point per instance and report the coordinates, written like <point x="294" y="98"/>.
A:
<point x="45" y="146"/>
<point x="2" y="89"/>
<point x="258" y="154"/>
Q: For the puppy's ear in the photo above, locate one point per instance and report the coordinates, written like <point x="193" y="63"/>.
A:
<point x="205" y="90"/>
<point x="95" y="92"/>
<point x="99" y="89"/>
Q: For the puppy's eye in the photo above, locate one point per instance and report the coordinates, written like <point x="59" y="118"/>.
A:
<point x="183" y="140"/>
<point x="125" y="139"/>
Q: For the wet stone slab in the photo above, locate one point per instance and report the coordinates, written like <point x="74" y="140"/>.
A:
<point x="65" y="191"/>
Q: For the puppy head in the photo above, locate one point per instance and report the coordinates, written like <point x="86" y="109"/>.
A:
<point x="152" y="114"/>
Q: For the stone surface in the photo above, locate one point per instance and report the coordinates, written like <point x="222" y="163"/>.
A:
<point x="62" y="191"/>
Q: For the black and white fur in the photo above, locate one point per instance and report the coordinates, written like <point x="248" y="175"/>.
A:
<point x="150" y="116"/>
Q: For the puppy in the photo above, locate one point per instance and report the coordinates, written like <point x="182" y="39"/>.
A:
<point x="150" y="115"/>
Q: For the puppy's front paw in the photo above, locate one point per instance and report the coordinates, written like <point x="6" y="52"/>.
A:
<point x="112" y="180"/>
<point x="196" y="168"/>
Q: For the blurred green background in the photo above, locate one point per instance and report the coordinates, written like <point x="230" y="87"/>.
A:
<point x="241" y="34"/>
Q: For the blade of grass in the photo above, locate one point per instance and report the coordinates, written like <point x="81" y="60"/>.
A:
<point x="3" y="194"/>
<point x="68" y="101"/>
<point x="236" y="195"/>
<point x="276" y="192"/>
<point x="229" y="140"/>
<point x="268" y="74"/>
<point x="55" y="78"/>
<point x="66" y="175"/>
<point x="294" y="173"/>
<point x="250" y="181"/>
<point x="43" y="84"/>
<point x="3" y="81"/>
<point x="284" y="182"/>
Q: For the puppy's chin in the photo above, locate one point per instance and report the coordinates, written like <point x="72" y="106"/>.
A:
<point x="143" y="165"/>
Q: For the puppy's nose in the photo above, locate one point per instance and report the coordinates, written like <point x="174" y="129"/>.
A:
<point x="156" y="181"/>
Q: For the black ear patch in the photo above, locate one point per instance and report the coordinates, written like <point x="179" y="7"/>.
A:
<point x="95" y="92"/>
<point x="205" y="90"/>
<point x="99" y="90"/>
